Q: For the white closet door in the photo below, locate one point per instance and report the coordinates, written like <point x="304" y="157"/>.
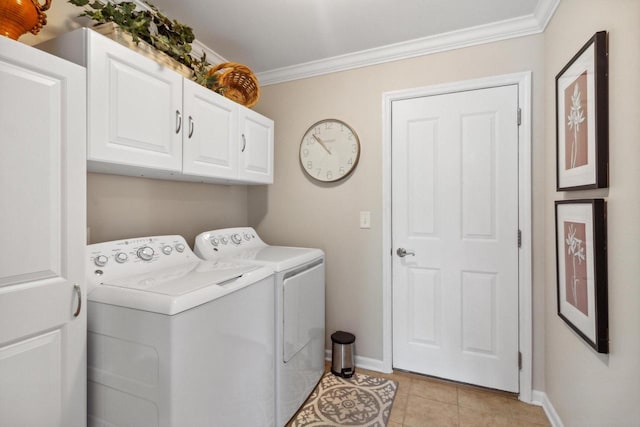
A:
<point x="455" y="213"/>
<point x="42" y="227"/>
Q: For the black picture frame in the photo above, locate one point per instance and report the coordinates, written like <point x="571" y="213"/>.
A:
<point x="581" y="261"/>
<point x="582" y="118"/>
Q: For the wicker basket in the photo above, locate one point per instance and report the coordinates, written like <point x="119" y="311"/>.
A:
<point x="237" y="82"/>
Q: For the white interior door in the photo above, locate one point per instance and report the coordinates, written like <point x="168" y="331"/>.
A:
<point x="455" y="212"/>
<point x="42" y="229"/>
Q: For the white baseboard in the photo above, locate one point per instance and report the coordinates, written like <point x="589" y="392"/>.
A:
<point x="540" y="398"/>
<point x="363" y="362"/>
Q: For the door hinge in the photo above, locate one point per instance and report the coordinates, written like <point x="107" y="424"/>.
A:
<point x="519" y="238"/>
<point x="519" y="116"/>
<point x="519" y="360"/>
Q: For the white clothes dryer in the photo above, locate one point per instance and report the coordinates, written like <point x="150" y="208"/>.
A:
<point x="176" y="341"/>
<point x="299" y="299"/>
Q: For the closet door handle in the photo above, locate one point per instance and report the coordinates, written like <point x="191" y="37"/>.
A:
<point x="178" y="121"/>
<point x="191" y="126"/>
<point x="244" y="142"/>
<point x="78" y="292"/>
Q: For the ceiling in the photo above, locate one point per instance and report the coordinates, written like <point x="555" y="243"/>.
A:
<point x="285" y="39"/>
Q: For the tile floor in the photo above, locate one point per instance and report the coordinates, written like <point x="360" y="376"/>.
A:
<point x="422" y="401"/>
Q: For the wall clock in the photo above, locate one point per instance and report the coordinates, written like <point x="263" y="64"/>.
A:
<point x="329" y="150"/>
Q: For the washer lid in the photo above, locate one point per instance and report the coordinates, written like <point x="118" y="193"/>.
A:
<point x="184" y="278"/>
<point x="176" y="289"/>
<point x="279" y="258"/>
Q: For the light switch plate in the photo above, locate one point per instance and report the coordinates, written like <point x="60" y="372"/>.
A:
<point x="365" y="219"/>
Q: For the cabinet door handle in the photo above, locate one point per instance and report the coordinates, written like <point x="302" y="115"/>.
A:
<point x="78" y="292"/>
<point x="244" y="142"/>
<point x="191" y="126"/>
<point x="178" y="121"/>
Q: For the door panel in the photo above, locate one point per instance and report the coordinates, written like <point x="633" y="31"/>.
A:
<point x="256" y="147"/>
<point x="210" y="144"/>
<point x="42" y="224"/>
<point x="135" y="116"/>
<point x="455" y="210"/>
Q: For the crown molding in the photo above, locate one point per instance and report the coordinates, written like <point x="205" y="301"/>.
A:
<point x="534" y="23"/>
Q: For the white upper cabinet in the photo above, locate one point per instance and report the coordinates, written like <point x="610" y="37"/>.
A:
<point x="256" y="147"/>
<point x="135" y="108"/>
<point x="147" y="120"/>
<point x="210" y="146"/>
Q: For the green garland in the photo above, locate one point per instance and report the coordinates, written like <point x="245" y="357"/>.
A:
<point x="154" y="28"/>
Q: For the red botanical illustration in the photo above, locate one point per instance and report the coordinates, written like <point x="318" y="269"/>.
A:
<point x="575" y="96"/>
<point x="576" y="266"/>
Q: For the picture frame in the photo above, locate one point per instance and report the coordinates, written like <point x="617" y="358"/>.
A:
<point x="581" y="260"/>
<point x="582" y="118"/>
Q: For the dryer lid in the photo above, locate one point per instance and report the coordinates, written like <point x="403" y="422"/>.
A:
<point x="280" y="258"/>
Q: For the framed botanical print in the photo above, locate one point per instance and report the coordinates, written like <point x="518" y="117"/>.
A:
<point x="582" y="118"/>
<point x="581" y="258"/>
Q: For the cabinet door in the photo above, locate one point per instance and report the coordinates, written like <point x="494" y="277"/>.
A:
<point x="256" y="147"/>
<point x="135" y="108"/>
<point x="210" y="133"/>
<point x="42" y="224"/>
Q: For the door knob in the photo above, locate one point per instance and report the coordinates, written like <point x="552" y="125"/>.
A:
<point x="402" y="252"/>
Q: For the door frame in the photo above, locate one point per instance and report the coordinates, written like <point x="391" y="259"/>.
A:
<point x="525" y="324"/>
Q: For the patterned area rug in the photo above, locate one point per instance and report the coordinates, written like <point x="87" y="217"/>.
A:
<point x="361" y="400"/>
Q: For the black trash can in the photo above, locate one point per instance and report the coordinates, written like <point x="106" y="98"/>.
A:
<point x="342" y="351"/>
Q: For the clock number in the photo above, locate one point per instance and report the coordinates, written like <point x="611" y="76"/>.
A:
<point x="318" y="171"/>
<point x="328" y="125"/>
<point x="309" y="164"/>
<point x="341" y="170"/>
<point x="354" y="148"/>
<point x="350" y="137"/>
<point x="317" y="130"/>
<point x="310" y="141"/>
<point x="329" y="175"/>
<point x="305" y="152"/>
<point x="350" y="162"/>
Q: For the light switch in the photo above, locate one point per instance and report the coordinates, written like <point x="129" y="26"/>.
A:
<point x="365" y="219"/>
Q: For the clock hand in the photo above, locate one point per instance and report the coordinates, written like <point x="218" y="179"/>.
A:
<point x="321" y="143"/>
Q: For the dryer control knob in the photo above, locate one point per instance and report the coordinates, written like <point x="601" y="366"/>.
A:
<point x="121" y="257"/>
<point x="101" y="260"/>
<point x="247" y="236"/>
<point x="235" y="238"/>
<point x="224" y="240"/>
<point x="215" y="241"/>
<point x="180" y="247"/>
<point x="167" y="250"/>
<point x="145" y="253"/>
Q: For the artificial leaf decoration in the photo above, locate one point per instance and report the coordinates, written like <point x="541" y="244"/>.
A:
<point x="151" y="26"/>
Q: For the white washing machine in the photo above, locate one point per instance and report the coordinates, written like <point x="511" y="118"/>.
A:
<point x="176" y="341"/>
<point x="300" y="288"/>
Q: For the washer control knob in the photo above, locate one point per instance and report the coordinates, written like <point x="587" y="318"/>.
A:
<point x="215" y="241"/>
<point x="101" y="260"/>
<point x="224" y="240"/>
<point x="180" y="247"/>
<point x="121" y="257"/>
<point x="167" y="250"/>
<point x="247" y="236"/>
<point x="145" y="253"/>
<point x="236" y="238"/>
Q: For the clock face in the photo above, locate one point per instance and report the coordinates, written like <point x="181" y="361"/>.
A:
<point x="329" y="150"/>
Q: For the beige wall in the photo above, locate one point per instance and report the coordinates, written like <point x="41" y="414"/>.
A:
<point x="120" y="207"/>
<point x="295" y="210"/>
<point x="588" y="389"/>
